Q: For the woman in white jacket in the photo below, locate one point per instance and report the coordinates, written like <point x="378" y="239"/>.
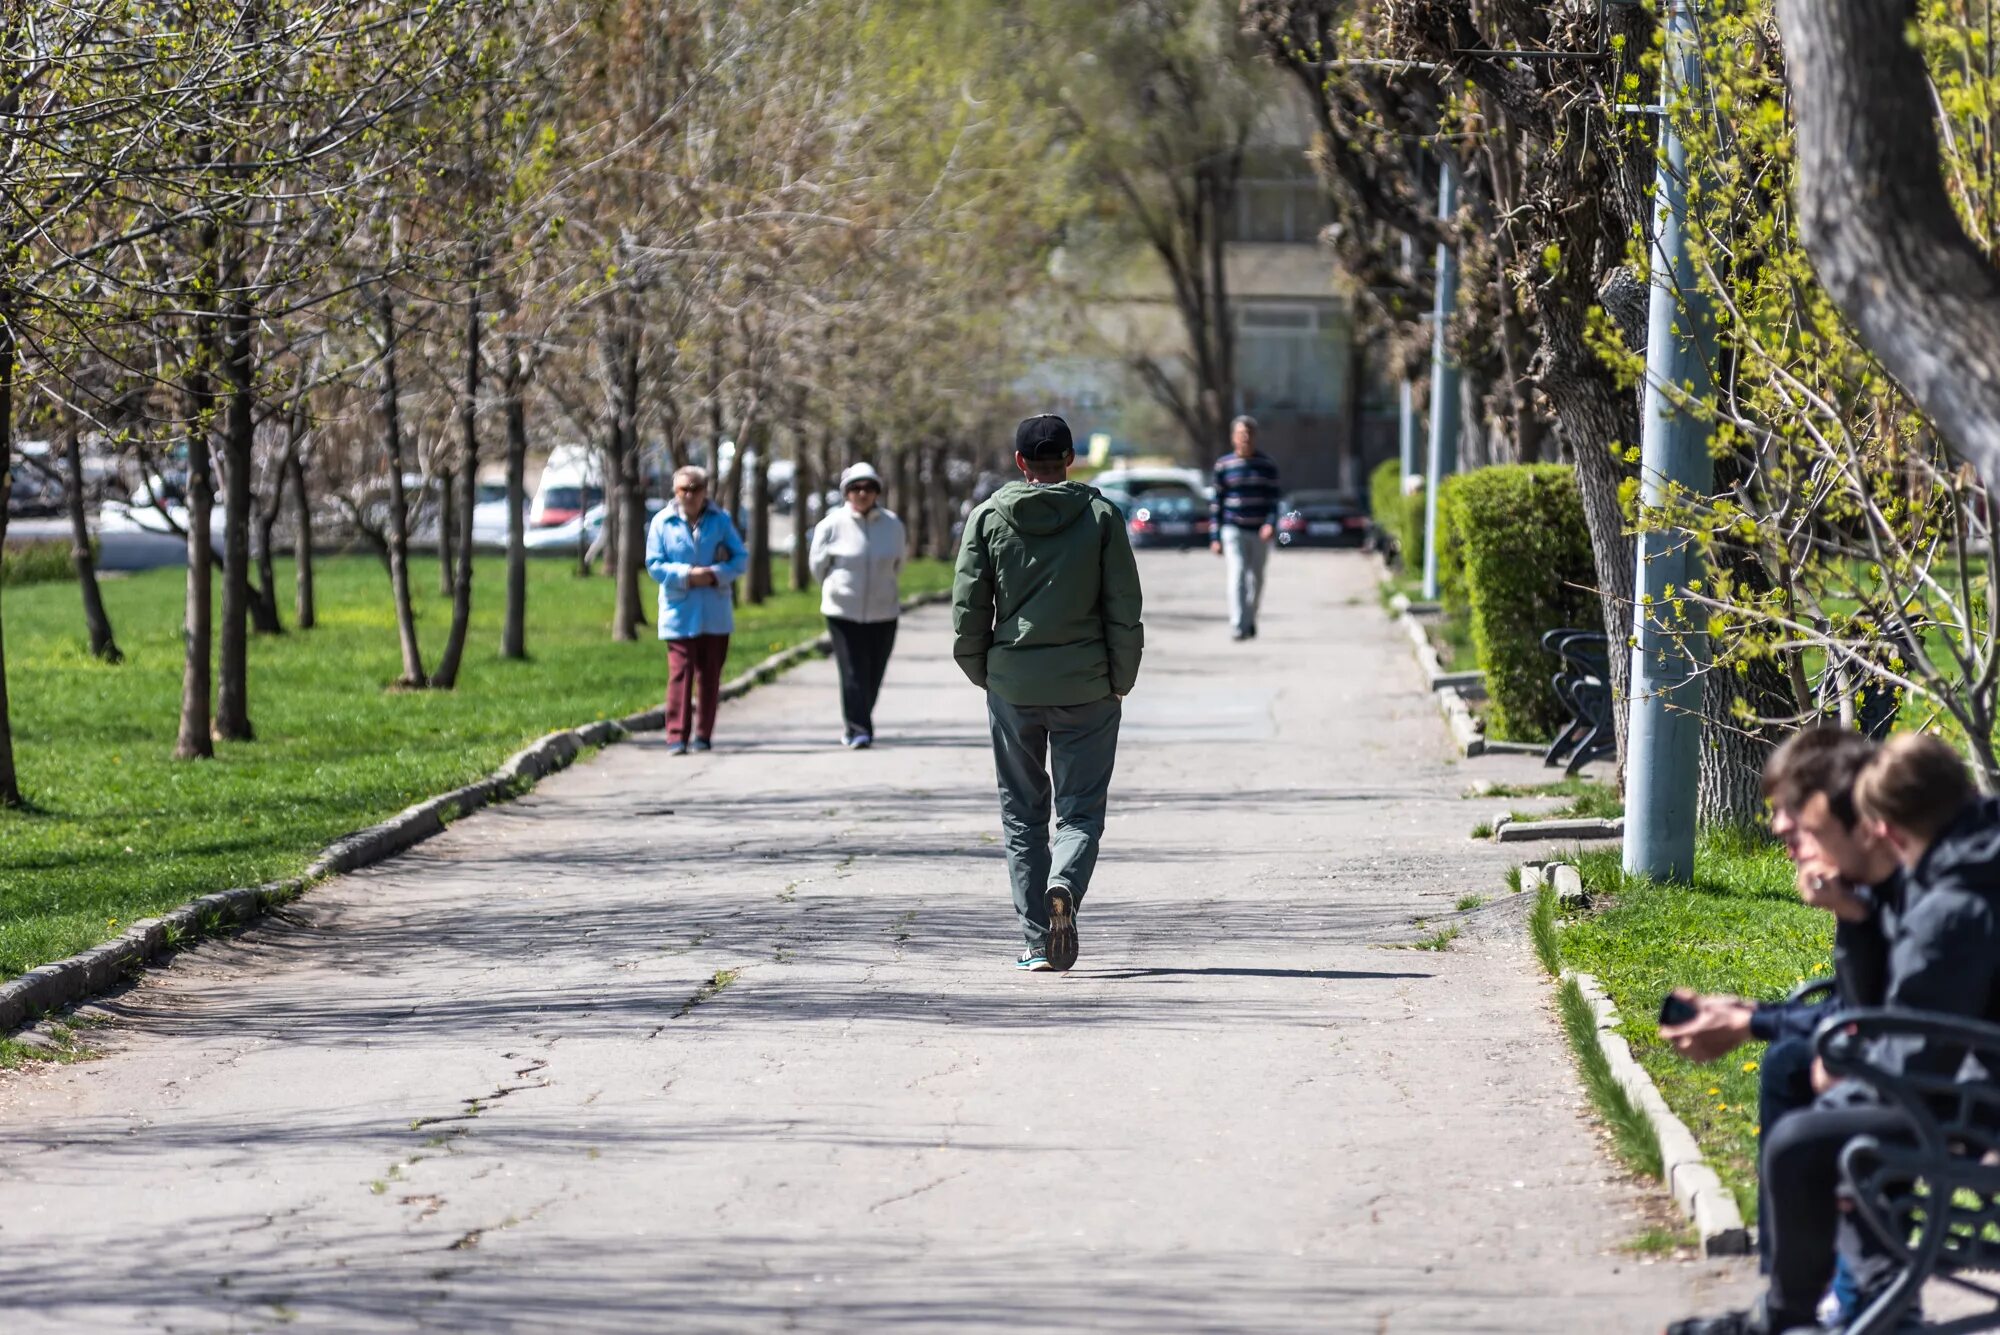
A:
<point x="857" y="555"/>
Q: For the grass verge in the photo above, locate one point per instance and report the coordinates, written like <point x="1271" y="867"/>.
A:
<point x="118" y="830"/>
<point x="1589" y="799"/>
<point x="1738" y="929"/>
<point x="1631" y="1133"/>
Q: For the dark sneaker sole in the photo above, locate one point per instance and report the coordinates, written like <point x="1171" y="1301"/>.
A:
<point x="1062" y="931"/>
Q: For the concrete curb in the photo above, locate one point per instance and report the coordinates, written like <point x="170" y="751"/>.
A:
<point x="1695" y="1187"/>
<point x="1444" y="685"/>
<point x="1510" y="831"/>
<point x="50" y="987"/>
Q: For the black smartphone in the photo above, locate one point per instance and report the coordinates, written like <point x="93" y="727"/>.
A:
<point x="1676" y="1009"/>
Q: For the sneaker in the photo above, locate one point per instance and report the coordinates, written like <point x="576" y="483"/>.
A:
<point x="1239" y="634"/>
<point x="1755" y="1321"/>
<point x="1729" y="1323"/>
<point x="862" y="742"/>
<point x="1034" y="961"/>
<point x="677" y="748"/>
<point x="1062" y="928"/>
<point x="701" y="744"/>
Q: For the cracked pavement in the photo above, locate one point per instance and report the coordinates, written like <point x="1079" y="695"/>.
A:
<point x="734" y="1042"/>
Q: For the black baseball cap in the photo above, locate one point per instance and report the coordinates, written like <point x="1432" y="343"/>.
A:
<point x="1043" y="436"/>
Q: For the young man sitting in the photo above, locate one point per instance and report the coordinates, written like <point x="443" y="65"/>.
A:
<point x="1944" y="955"/>
<point x="1809" y="784"/>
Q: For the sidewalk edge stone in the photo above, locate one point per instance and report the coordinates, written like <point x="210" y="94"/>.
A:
<point x="51" y="987"/>
<point x="1458" y="716"/>
<point x="1708" y="1204"/>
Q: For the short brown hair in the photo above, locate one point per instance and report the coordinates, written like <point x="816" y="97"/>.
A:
<point x="1916" y="782"/>
<point x="1824" y="759"/>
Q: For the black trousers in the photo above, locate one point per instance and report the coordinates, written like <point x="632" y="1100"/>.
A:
<point x="1784" y="1087"/>
<point x="862" y="650"/>
<point x="1801" y="1179"/>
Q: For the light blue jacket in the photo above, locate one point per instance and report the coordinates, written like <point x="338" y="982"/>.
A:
<point x="673" y="548"/>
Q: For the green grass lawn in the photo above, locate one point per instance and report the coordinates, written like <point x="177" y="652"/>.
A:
<point x="118" y="830"/>
<point x="1588" y="799"/>
<point x="1740" y="928"/>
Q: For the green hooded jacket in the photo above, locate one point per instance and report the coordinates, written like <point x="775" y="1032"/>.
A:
<point x="1045" y="604"/>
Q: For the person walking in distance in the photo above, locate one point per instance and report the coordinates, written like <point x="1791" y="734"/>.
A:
<point x="694" y="552"/>
<point x="1045" y="610"/>
<point x="1244" y="514"/>
<point x="857" y="556"/>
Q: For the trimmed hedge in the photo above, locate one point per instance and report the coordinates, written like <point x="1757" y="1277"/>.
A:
<point x="1400" y="516"/>
<point x="44" y="561"/>
<point x="1452" y="593"/>
<point x="1518" y="532"/>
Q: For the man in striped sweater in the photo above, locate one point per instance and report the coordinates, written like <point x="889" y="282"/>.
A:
<point x="1245" y="512"/>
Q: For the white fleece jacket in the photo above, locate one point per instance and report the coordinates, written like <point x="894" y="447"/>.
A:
<point x="857" y="561"/>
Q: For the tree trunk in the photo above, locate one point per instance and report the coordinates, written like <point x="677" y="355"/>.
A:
<point x="802" y="489"/>
<point x="903" y="481"/>
<point x="447" y="491"/>
<point x="10" y="783"/>
<point x="305" y="608"/>
<point x="627" y="501"/>
<point x="1876" y="218"/>
<point x="196" y="741"/>
<point x="264" y="618"/>
<point x="514" y="629"/>
<point x="95" y="619"/>
<point x="1593" y="415"/>
<point x="759" y="583"/>
<point x="232" y="687"/>
<point x="446" y="677"/>
<point x="399" y="504"/>
<point x="920" y="522"/>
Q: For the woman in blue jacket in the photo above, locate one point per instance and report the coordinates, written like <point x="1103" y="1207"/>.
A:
<point x="694" y="551"/>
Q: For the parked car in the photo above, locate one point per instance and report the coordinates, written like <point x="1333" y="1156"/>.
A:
<point x="1166" y="519"/>
<point x="1145" y="482"/>
<point x="38" y="486"/>
<point x="1321" y="519"/>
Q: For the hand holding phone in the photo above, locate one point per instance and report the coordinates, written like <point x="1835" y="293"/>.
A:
<point x="1676" y="1009"/>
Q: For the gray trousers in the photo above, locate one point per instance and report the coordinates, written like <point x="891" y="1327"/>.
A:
<point x="1245" y="553"/>
<point x="1064" y="752"/>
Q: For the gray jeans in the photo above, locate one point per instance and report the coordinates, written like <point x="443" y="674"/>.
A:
<point x="1064" y="752"/>
<point x="1246" y="553"/>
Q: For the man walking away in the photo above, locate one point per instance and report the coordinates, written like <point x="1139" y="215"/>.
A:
<point x="1245" y="513"/>
<point x="1045" y="609"/>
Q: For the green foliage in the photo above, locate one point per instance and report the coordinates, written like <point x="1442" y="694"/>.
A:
<point x="39" y="562"/>
<point x="1845" y="553"/>
<point x="120" y="831"/>
<point x="1738" y="929"/>
<point x="1398" y="515"/>
<point x="1519" y="532"/>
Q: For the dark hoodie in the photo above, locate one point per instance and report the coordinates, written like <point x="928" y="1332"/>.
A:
<point x="1045" y="604"/>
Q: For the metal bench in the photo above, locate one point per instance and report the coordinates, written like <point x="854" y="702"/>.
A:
<point x="1583" y="687"/>
<point x="1952" y="1156"/>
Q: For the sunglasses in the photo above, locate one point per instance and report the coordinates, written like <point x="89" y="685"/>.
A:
<point x="863" y="486"/>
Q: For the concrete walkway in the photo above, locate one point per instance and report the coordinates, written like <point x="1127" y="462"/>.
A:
<point x="734" y="1042"/>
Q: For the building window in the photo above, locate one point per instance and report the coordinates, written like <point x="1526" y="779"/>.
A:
<point x="1278" y="200"/>
<point x="1289" y="358"/>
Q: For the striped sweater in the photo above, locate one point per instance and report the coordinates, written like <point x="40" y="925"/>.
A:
<point x="1246" y="491"/>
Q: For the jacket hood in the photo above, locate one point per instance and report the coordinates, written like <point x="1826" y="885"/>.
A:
<point x="1041" y="510"/>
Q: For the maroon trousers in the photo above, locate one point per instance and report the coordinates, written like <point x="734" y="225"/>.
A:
<point x="698" y="656"/>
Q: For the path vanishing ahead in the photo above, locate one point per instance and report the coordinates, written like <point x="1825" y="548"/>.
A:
<point x="494" y="1085"/>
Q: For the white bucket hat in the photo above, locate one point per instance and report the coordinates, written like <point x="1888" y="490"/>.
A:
<point x="859" y="473"/>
